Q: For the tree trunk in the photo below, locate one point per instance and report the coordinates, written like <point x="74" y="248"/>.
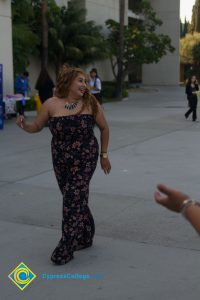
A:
<point x="44" y="7"/>
<point x="119" y="82"/>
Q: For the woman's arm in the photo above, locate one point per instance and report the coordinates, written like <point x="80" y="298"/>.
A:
<point x="104" y="137"/>
<point x="38" y="123"/>
<point x="103" y="127"/>
<point x="174" y="201"/>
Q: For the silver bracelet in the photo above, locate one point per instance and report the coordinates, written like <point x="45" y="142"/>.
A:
<point x="186" y="203"/>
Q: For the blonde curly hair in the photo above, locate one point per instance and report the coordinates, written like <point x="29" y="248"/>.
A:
<point x="65" y="78"/>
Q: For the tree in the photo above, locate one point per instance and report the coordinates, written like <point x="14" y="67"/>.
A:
<point x="187" y="45"/>
<point x="196" y="55"/>
<point x="25" y="41"/>
<point x="42" y="28"/>
<point x="120" y="57"/>
<point x="142" y="44"/>
<point x="195" y="22"/>
<point x="184" y="28"/>
<point x="181" y="29"/>
<point x="44" y="21"/>
<point x="42" y="10"/>
<point x="72" y="39"/>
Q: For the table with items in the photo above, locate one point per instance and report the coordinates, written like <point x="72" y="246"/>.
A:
<point x="10" y="103"/>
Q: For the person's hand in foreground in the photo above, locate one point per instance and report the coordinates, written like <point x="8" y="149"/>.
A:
<point x="179" y="202"/>
<point x="170" y="198"/>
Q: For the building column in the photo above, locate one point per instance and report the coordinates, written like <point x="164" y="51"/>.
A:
<point x="6" y="53"/>
<point x="167" y="70"/>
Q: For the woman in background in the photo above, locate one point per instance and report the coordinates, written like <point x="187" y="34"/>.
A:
<point x="191" y="90"/>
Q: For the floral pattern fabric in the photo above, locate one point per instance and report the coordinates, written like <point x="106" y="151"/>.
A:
<point x="74" y="153"/>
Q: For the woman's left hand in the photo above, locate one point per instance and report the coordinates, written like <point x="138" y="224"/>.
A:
<point x="105" y="165"/>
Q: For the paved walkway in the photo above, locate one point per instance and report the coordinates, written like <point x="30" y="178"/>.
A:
<point x="141" y="251"/>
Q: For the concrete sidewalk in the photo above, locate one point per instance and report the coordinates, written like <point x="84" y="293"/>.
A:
<point x="141" y="251"/>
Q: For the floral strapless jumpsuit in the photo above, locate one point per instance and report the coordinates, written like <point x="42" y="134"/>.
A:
<point x="74" y="153"/>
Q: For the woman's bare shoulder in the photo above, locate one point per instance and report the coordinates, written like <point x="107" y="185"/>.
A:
<point x="51" y="100"/>
<point x="49" y="105"/>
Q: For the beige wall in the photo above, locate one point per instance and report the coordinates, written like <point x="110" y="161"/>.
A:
<point x="6" y="56"/>
<point x="166" y="72"/>
<point x="100" y="11"/>
<point x="62" y="2"/>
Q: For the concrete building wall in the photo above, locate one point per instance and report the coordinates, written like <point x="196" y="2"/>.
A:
<point x="100" y="11"/>
<point x="62" y="2"/>
<point x="6" y="55"/>
<point x="166" y="72"/>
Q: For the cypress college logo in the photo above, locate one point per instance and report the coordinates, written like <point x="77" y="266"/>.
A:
<point x="22" y="276"/>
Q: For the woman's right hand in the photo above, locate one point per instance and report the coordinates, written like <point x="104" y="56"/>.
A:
<point x="20" y="121"/>
<point x="105" y="165"/>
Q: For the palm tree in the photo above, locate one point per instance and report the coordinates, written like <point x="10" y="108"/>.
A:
<point x="119" y="82"/>
<point x="25" y="40"/>
<point x="72" y="39"/>
<point x="44" y="8"/>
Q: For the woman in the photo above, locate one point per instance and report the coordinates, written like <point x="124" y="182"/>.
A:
<point x="72" y="114"/>
<point x="191" y="90"/>
<point x="95" y="85"/>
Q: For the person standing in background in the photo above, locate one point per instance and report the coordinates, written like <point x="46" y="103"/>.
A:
<point x="44" y="86"/>
<point x="22" y="87"/>
<point x="22" y="84"/>
<point x="191" y="90"/>
<point x="95" y="85"/>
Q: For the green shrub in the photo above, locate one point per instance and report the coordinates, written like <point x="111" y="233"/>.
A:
<point x="108" y="89"/>
<point x="124" y="93"/>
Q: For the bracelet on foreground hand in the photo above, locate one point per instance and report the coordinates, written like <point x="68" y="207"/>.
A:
<point x="186" y="203"/>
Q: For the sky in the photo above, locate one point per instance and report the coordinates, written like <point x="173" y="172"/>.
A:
<point x="186" y="9"/>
